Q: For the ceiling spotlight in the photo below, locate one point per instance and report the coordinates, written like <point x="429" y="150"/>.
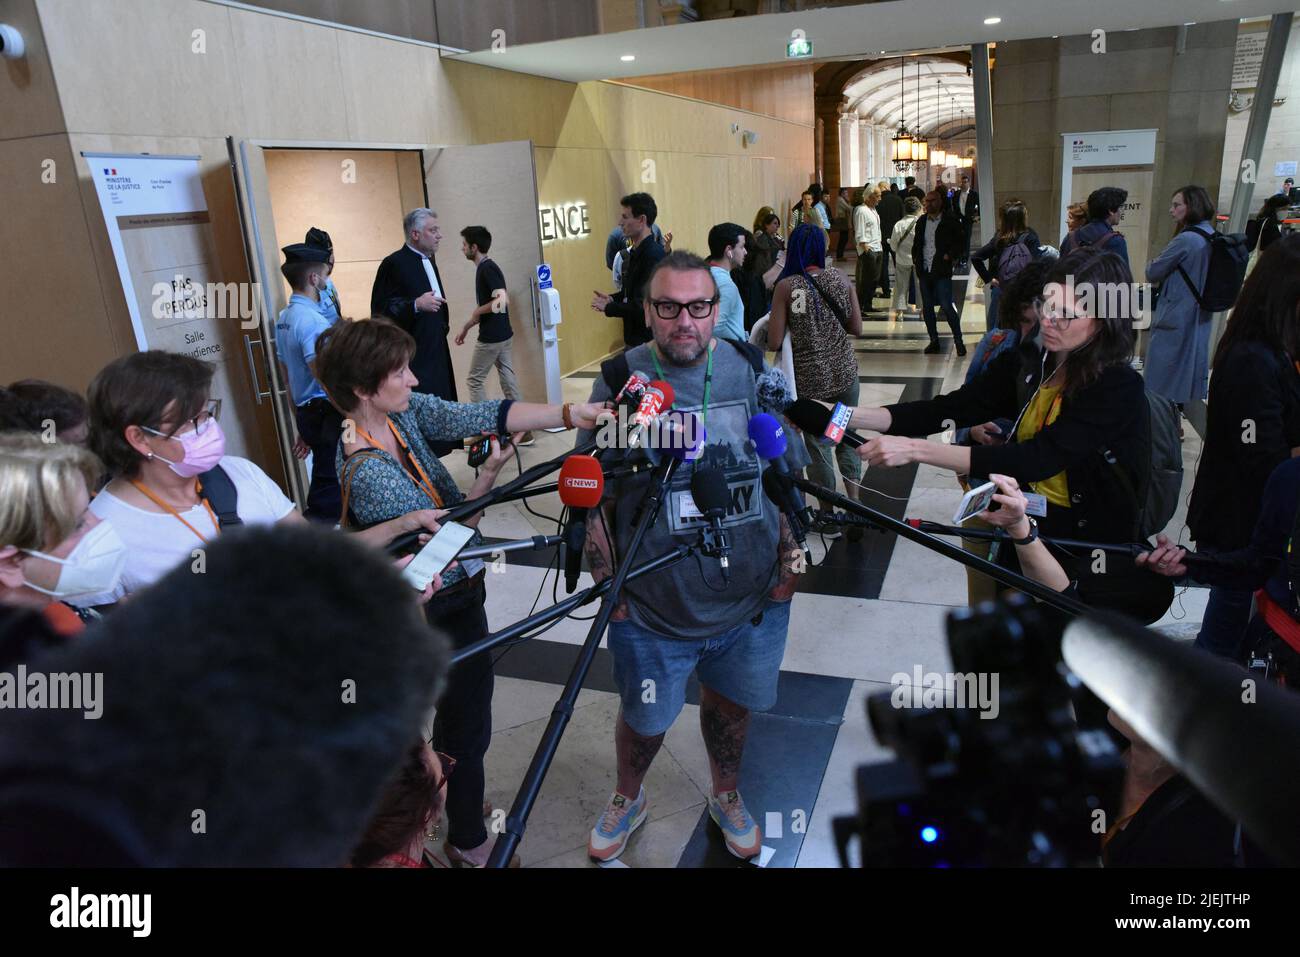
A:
<point x="627" y="57"/>
<point x="992" y="21"/>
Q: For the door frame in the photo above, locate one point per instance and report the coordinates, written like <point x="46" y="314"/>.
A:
<point x="251" y="191"/>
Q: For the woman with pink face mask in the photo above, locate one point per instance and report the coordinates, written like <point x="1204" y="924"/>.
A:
<point x="157" y="430"/>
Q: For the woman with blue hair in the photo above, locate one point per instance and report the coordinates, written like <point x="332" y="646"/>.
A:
<point x="820" y="310"/>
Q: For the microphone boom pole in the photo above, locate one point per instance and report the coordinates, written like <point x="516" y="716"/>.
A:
<point x="531" y="786"/>
<point x="996" y="572"/>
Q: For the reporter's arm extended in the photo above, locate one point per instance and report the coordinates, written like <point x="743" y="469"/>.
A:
<point x="1036" y="560"/>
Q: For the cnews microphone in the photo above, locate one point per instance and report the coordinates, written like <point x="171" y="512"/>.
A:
<point x="658" y="396"/>
<point x="712" y="497"/>
<point x="582" y="482"/>
<point x="816" y="418"/>
<point x="769" y="442"/>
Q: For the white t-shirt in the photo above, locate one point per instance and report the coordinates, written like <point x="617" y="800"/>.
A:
<point x="156" y="542"/>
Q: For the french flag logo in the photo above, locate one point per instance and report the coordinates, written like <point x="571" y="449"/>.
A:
<point x="110" y="172"/>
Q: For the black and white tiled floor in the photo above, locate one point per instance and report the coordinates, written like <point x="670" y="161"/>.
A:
<point x="867" y="611"/>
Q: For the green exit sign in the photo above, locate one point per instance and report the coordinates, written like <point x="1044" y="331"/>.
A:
<point x="798" y="48"/>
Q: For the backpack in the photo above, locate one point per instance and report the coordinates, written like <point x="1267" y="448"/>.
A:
<point x="1161" y="472"/>
<point x="1229" y="254"/>
<point x="1100" y="242"/>
<point x="218" y="490"/>
<point x="1014" y="258"/>
<point x="616" y="371"/>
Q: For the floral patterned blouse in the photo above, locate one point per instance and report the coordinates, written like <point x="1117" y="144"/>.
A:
<point x="380" y="489"/>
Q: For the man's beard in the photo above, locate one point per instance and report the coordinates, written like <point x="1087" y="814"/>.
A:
<point x="682" y="353"/>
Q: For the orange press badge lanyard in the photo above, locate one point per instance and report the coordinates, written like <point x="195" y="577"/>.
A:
<point x="148" y="493"/>
<point x="423" y="481"/>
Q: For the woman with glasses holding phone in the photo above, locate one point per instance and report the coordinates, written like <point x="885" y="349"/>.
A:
<point x="1080" y="426"/>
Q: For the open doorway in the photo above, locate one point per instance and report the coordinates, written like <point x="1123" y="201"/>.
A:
<point x="359" y="193"/>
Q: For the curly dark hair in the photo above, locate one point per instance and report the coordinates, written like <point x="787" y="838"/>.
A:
<point x="1023" y="289"/>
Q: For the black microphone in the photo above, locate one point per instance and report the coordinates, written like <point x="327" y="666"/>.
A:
<point x="769" y="442"/>
<point x="712" y="497"/>
<point x="815" y="418"/>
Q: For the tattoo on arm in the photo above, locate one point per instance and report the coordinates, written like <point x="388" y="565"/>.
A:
<point x="787" y="551"/>
<point x="597" y="548"/>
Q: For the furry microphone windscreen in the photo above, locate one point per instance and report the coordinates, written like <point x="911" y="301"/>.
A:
<point x="254" y="707"/>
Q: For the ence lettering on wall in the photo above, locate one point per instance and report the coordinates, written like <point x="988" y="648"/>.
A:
<point x="564" y="221"/>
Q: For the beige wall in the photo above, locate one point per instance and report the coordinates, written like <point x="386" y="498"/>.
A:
<point x="785" y="92"/>
<point x="96" y="79"/>
<point x="1043" y="88"/>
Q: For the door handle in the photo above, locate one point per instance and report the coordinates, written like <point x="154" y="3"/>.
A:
<point x="258" y="394"/>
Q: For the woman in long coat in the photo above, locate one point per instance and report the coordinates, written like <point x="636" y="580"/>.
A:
<point x="1177" y="361"/>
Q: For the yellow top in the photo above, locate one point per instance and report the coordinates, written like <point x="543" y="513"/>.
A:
<point x="1042" y="411"/>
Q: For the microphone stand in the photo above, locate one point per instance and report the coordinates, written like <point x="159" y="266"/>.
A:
<point x="568" y="605"/>
<point x="501" y="492"/>
<point x="1130" y="549"/>
<point x="531" y="785"/>
<point x="996" y="572"/>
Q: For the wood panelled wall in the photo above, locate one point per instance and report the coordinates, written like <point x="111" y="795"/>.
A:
<point x="785" y="92"/>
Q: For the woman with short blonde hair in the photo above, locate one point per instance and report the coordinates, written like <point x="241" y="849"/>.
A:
<point x="51" y="547"/>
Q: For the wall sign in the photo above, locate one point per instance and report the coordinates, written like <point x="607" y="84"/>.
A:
<point x="565" y="221"/>
<point x="1248" y="59"/>
<point x="1102" y="148"/>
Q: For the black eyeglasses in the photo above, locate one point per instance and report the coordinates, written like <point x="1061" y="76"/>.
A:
<point x="671" y="308"/>
<point x="1049" y="315"/>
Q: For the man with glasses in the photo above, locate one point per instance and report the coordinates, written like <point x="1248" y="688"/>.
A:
<point x="306" y="268"/>
<point x="686" y="618"/>
<point x="637" y="221"/>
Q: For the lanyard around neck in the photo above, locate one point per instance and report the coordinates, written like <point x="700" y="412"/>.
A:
<point x="708" y="378"/>
<point x="149" y="494"/>
<point x="423" y="481"/>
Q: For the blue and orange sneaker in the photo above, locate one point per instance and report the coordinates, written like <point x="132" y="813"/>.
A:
<point x="743" y="837"/>
<point x="620" y="818"/>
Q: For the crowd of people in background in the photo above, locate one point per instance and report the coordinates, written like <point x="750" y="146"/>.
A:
<point x="103" y="496"/>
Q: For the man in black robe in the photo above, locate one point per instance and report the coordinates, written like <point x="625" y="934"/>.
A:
<point x="408" y="290"/>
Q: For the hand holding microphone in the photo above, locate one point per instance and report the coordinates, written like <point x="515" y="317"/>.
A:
<point x="659" y="395"/>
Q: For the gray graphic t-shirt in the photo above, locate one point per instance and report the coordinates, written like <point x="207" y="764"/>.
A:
<point x="690" y="599"/>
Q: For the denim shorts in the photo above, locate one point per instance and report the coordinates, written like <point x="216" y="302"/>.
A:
<point x="741" y="665"/>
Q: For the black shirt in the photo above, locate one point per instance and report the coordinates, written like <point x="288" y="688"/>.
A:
<point x="627" y="303"/>
<point x="493" y="326"/>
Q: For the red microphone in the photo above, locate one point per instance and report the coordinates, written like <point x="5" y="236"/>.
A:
<point x="658" y="396"/>
<point x="633" y="389"/>
<point x="582" y="482"/>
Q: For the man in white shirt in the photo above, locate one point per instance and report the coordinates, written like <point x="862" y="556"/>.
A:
<point x="866" y="232"/>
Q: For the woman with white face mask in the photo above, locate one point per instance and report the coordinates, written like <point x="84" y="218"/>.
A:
<point x="53" y="549"/>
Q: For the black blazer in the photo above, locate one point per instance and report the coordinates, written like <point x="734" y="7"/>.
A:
<point x="970" y="209"/>
<point x="401" y="280"/>
<point x="627" y="303"/>
<point x="1110" y="414"/>
<point x="890" y="210"/>
<point x="949" y="242"/>
<point x="1251" y="382"/>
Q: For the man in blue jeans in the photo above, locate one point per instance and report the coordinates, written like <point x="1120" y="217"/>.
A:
<point x="936" y="248"/>
<point x="685" y="618"/>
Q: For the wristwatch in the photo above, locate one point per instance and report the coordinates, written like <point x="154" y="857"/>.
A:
<point x="1031" y="537"/>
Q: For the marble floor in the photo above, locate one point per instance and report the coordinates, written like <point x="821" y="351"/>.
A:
<point x="863" y="613"/>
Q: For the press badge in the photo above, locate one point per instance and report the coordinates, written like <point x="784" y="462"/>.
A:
<point x="1035" y="504"/>
<point x="686" y="507"/>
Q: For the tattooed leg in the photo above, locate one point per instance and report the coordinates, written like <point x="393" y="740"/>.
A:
<point x="635" y="753"/>
<point x="724" y="725"/>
